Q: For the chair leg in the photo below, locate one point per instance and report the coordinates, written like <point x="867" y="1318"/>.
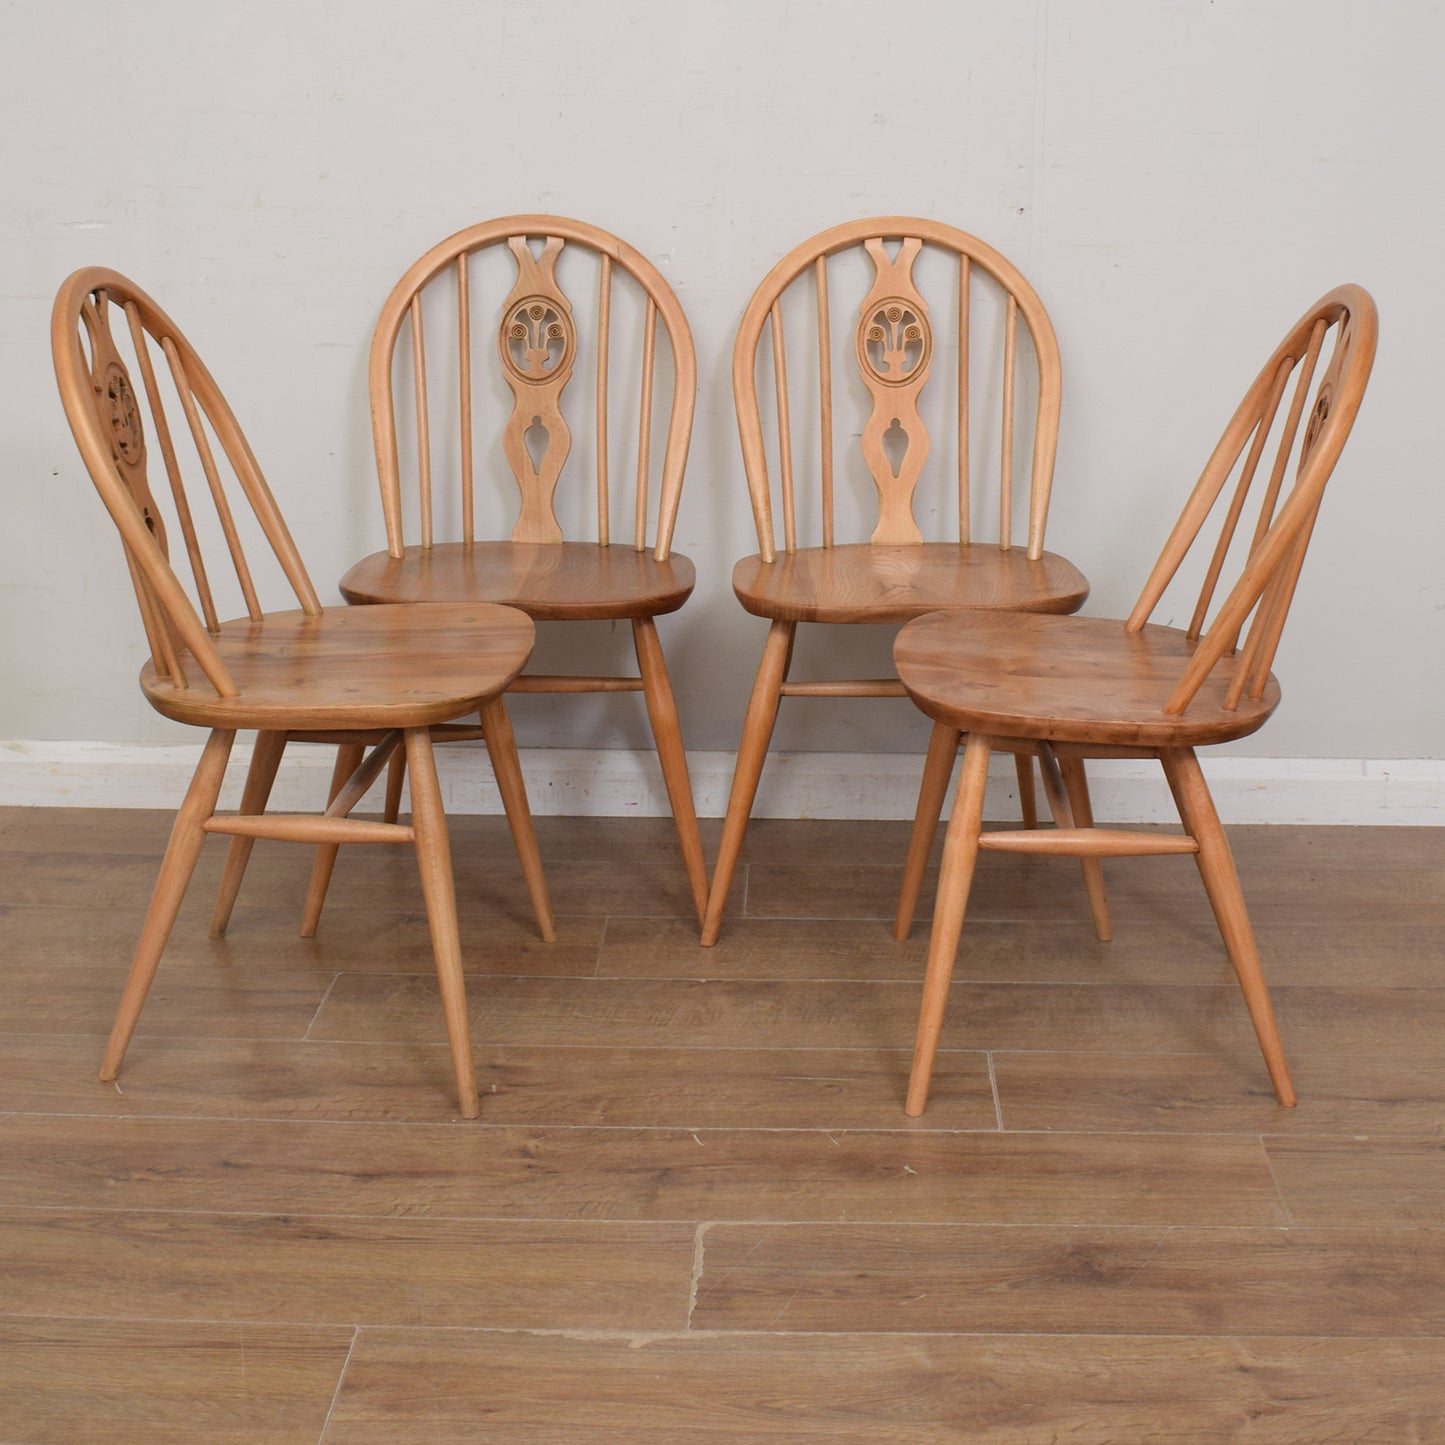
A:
<point x="752" y="752"/>
<point x="1028" y="804"/>
<point x="348" y="759"/>
<point x="259" y="778"/>
<point x="502" y="749"/>
<point x="937" y="769"/>
<point x="955" y="879"/>
<point x="1076" y="783"/>
<point x="188" y="833"/>
<point x="434" y="861"/>
<point x="667" y="734"/>
<point x="1221" y="882"/>
<point x="395" y="777"/>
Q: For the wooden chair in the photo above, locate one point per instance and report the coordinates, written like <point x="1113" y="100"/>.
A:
<point x="1081" y="687"/>
<point x="896" y="344"/>
<point x="380" y="676"/>
<point x="538" y="345"/>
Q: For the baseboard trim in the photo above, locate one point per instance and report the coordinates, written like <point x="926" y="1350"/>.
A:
<point x="584" y="782"/>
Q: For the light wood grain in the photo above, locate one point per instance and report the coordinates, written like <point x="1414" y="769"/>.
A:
<point x="1358" y="1182"/>
<point x="564" y="1270"/>
<point x="443" y="1172"/>
<point x="1078" y="1281"/>
<point x="876" y="583"/>
<point x="1065" y="679"/>
<point x="348" y="674"/>
<point x="135" y="1383"/>
<point x="1097" y="686"/>
<point x="896" y="575"/>
<point x="1369" y="1095"/>
<point x="910" y="1389"/>
<point x="539" y="340"/>
<point x="230" y="1268"/>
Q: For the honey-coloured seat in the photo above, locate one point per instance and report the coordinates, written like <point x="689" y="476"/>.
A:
<point x="1085" y="687"/>
<point x="378" y="678"/>
<point x="906" y="365"/>
<point x="488" y="423"/>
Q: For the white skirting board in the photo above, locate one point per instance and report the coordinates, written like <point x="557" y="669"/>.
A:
<point x="601" y="783"/>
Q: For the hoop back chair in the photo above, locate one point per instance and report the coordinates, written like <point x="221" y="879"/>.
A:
<point x="1088" y="687"/>
<point x="898" y="344"/>
<point x="380" y="676"/>
<point x="536" y="344"/>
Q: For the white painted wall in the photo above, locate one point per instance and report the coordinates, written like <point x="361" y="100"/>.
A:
<point x="1179" y="178"/>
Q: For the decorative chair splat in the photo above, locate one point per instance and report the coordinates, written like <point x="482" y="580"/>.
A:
<point x="119" y="412"/>
<point x="538" y="345"/>
<point x="895" y="350"/>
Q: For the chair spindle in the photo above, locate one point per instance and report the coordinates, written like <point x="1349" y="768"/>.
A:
<point x="213" y="477"/>
<point x="644" y="439"/>
<point x="785" y="434"/>
<point x="167" y="446"/>
<point x="604" y="338"/>
<point x="423" y="420"/>
<point x="825" y="399"/>
<point x="464" y="384"/>
<point x="1291" y="427"/>
<point x="1006" y="440"/>
<point x="1236" y="505"/>
<point x="964" y="279"/>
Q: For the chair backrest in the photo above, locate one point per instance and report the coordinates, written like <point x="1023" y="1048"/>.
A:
<point x="897" y="343"/>
<point x="538" y="344"/>
<point x="1275" y="549"/>
<point x="93" y="366"/>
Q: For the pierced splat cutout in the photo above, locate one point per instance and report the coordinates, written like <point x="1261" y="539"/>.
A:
<point x="536" y="440"/>
<point x="538" y="346"/>
<point x="896" y="341"/>
<point x="895" y="349"/>
<point x="538" y="340"/>
<point x="119" y="412"/>
<point x="895" y="445"/>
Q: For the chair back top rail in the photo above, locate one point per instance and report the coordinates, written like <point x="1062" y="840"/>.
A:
<point x="1260" y="597"/>
<point x="538" y="339"/>
<point x="106" y="418"/>
<point x="894" y="350"/>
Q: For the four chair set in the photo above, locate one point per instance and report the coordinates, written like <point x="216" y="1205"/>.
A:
<point x="439" y="630"/>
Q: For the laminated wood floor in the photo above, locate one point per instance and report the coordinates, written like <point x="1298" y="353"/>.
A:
<point x="693" y="1208"/>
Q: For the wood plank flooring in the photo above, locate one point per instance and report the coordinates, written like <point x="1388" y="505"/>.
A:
<point x="693" y="1208"/>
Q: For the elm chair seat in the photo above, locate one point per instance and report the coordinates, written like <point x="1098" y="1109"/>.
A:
<point x="861" y="582"/>
<point x="556" y="582"/>
<point x="1068" y="680"/>
<point x="339" y="670"/>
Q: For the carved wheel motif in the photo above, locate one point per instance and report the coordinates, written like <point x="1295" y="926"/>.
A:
<point x="894" y="341"/>
<point x="537" y="340"/>
<point x="118" y="402"/>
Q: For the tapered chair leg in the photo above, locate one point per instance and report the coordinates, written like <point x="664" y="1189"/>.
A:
<point x="348" y="759"/>
<point x="1028" y="803"/>
<point x="752" y="752"/>
<point x="955" y="879"/>
<point x="667" y="734"/>
<point x="1067" y="789"/>
<point x="188" y="833"/>
<point x="937" y="769"/>
<point x="395" y="777"/>
<point x="434" y="861"/>
<point x="1221" y="882"/>
<point x="502" y="749"/>
<point x="260" y="776"/>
